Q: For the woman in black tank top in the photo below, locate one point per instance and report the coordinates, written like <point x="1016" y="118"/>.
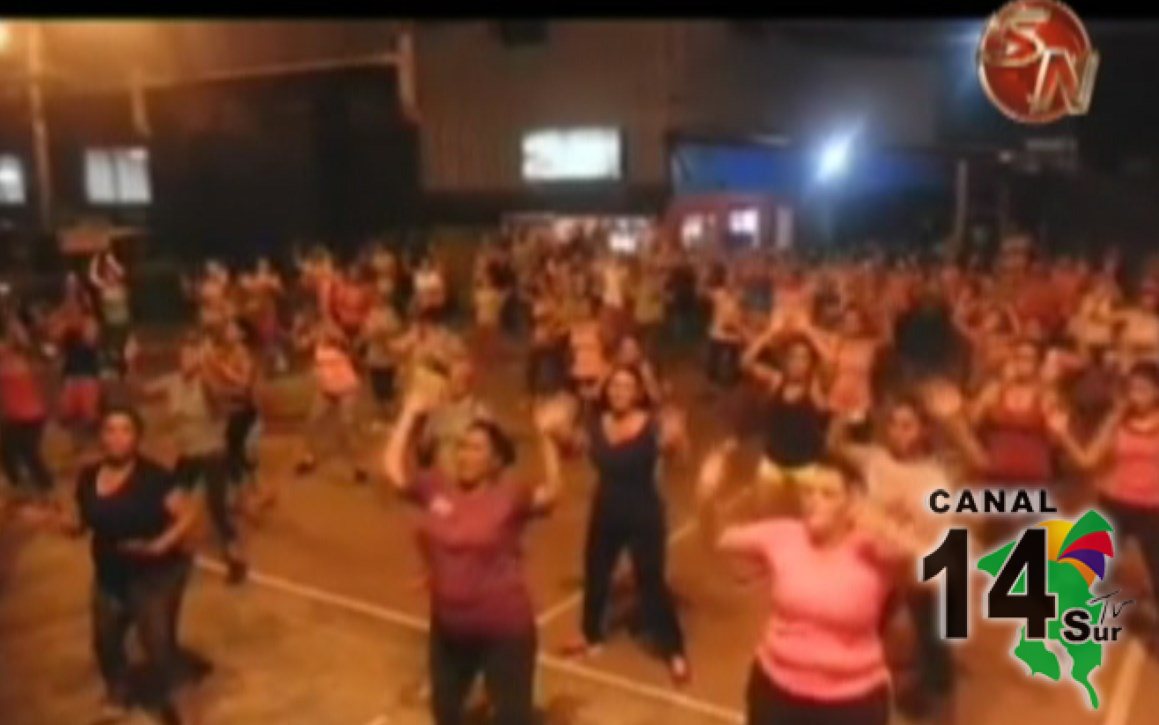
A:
<point x="795" y="418"/>
<point x="625" y="440"/>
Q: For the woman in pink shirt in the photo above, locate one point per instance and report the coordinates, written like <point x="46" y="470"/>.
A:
<point x="1124" y="456"/>
<point x="821" y="657"/>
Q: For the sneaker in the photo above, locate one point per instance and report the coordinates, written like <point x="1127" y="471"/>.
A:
<point x="679" y="671"/>
<point x="112" y="709"/>
<point x="580" y="649"/>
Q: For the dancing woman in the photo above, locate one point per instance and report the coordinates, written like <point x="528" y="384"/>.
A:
<point x="482" y="618"/>
<point x="821" y="658"/>
<point x="900" y="472"/>
<point x="1123" y="461"/>
<point x="140" y="523"/>
<point x="796" y="416"/>
<point x="232" y="376"/>
<point x="625" y="439"/>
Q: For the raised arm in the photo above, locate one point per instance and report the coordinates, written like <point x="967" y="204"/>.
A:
<point x="673" y="432"/>
<point x="708" y="487"/>
<point x="944" y="404"/>
<point x="841" y="445"/>
<point x="395" y="458"/>
<point x="980" y="406"/>
<point x="1093" y="455"/>
<point x="547" y="494"/>
<point x="751" y="363"/>
<point x="823" y="342"/>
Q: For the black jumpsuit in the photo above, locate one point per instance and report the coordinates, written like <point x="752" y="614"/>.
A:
<point x="628" y="513"/>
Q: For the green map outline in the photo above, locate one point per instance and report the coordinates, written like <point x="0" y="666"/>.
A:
<point x="1072" y="592"/>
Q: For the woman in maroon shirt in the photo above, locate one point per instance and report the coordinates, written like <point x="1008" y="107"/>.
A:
<point x="481" y="614"/>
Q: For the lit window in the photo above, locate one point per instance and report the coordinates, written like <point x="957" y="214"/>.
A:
<point x="744" y="221"/>
<point x="692" y="230"/>
<point x="117" y="175"/>
<point x="11" y="180"/>
<point x="572" y="154"/>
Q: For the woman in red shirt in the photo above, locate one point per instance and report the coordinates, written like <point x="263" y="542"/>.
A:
<point x="23" y="410"/>
<point x="482" y="619"/>
<point x="1123" y="461"/>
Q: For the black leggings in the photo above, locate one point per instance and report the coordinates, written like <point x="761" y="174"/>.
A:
<point x="546" y="370"/>
<point x="1142" y="525"/>
<point x="506" y="663"/>
<point x="150" y="602"/>
<point x="209" y="469"/>
<point x="768" y="704"/>
<point x="20" y="452"/>
<point x="723" y="362"/>
<point x="382" y="384"/>
<point x="935" y="664"/>
<point x="237" y="430"/>
<point x="642" y="531"/>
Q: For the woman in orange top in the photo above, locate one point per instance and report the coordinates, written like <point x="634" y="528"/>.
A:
<point x="851" y="353"/>
<point x="334" y="401"/>
<point x="589" y="363"/>
<point x="232" y="378"/>
<point x="23" y="410"/>
<point x="350" y="303"/>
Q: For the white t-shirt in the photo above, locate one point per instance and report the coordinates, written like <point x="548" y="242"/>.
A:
<point x="614" y="277"/>
<point x="902" y="489"/>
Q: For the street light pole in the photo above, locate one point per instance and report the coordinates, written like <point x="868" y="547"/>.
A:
<point x="39" y="122"/>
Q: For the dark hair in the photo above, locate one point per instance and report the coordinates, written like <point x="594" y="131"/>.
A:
<point x="907" y="400"/>
<point x="124" y="411"/>
<point x="642" y="400"/>
<point x="501" y="443"/>
<point x="797" y="340"/>
<point x="1147" y="370"/>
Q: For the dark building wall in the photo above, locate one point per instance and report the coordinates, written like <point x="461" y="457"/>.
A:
<point x="240" y="165"/>
<point x="653" y="80"/>
<point x="321" y="155"/>
<point x="312" y="158"/>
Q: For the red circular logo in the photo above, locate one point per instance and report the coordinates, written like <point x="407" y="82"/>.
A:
<point x="1036" y="62"/>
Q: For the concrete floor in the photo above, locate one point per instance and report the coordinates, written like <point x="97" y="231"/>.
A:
<point x="330" y="629"/>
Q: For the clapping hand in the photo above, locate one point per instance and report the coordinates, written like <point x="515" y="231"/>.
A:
<point x="146" y="548"/>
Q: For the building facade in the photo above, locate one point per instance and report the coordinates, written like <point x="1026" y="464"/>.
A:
<point x="220" y="134"/>
<point x="655" y="82"/>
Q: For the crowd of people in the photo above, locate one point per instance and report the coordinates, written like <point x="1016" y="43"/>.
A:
<point x="867" y="380"/>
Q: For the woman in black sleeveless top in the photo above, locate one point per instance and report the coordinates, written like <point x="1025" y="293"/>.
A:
<point x="796" y="419"/>
<point x="625" y="440"/>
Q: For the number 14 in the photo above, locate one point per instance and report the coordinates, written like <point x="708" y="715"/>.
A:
<point x="1036" y="606"/>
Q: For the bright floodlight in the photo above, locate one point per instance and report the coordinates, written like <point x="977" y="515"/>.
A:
<point x="835" y="158"/>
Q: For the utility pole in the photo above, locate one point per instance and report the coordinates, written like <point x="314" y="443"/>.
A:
<point x="40" y="140"/>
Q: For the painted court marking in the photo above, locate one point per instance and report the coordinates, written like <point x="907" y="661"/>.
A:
<point x="418" y="624"/>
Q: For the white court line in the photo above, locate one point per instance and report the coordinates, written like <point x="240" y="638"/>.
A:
<point x="412" y="622"/>
<point x="1123" y="696"/>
